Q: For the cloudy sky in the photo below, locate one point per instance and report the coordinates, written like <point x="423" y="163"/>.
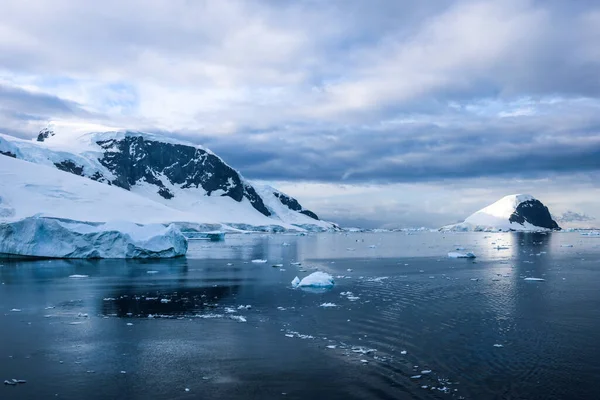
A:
<point x="373" y="113"/>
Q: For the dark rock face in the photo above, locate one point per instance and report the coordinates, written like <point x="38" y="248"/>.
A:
<point x="293" y="204"/>
<point x="69" y="166"/>
<point x="290" y="202"/>
<point x="8" y="154"/>
<point x="135" y="159"/>
<point x="534" y="212"/>
<point x="45" y="134"/>
<point x="309" y="213"/>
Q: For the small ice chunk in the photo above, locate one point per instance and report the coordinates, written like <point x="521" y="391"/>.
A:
<point x="123" y="372"/>
<point x="331" y="346"/>
<point x="453" y="254"/>
<point x="152" y="272"/>
<point x="129" y="324"/>
<point x="415" y="377"/>
<point x="364" y="361"/>
<point x="328" y="305"/>
<point x="277" y="265"/>
<point x="403" y="352"/>
<point x="78" y="276"/>
<point x="165" y="301"/>
<point x="296" y="263"/>
<point x="187" y="389"/>
<point x="246" y="307"/>
<point x="349" y="270"/>
<point x="16" y="310"/>
<point x="296" y="282"/>
<point x="238" y="318"/>
<point x="426" y="371"/>
<point x="259" y="261"/>
<point x="316" y="279"/>
<point x="534" y="279"/>
<point x="498" y="345"/>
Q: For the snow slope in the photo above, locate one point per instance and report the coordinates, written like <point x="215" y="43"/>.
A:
<point x="514" y="212"/>
<point x="28" y="189"/>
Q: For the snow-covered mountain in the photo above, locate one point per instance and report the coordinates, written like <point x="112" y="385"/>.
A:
<point x="190" y="180"/>
<point x="517" y="212"/>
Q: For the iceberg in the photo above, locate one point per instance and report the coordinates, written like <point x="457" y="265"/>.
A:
<point x="60" y="238"/>
<point x="315" y="280"/>
<point x="453" y="254"/>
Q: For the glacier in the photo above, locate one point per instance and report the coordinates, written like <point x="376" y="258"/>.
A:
<point x="59" y="238"/>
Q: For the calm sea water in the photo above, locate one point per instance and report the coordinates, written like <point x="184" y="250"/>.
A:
<point x="408" y="322"/>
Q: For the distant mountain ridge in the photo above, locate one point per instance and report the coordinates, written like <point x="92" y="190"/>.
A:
<point x="178" y="174"/>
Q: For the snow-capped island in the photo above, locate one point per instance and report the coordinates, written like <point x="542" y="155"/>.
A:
<point x="72" y="196"/>
<point x="517" y="212"/>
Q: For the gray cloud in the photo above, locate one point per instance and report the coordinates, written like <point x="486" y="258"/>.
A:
<point x="343" y="91"/>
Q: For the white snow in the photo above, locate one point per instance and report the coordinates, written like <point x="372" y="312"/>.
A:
<point x="316" y="279"/>
<point x="453" y="254"/>
<point x="55" y="238"/>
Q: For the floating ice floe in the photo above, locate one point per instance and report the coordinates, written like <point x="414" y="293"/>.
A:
<point x="498" y="345"/>
<point x="78" y="276"/>
<point x="259" y="261"/>
<point x="326" y="305"/>
<point x="454" y="254"/>
<point x="277" y="265"/>
<point x="61" y="238"/>
<point x="315" y="280"/>
<point x="378" y="279"/>
<point x="534" y="279"/>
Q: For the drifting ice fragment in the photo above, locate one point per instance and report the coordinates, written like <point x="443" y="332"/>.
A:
<point x="534" y="279"/>
<point x="316" y="279"/>
<point x="78" y="276"/>
<point x="259" y="261"/>
<point x="498" y="345"/>
<point x="328" y="305"/>
<point x="296" y="282"/>
<point x="454" y="254"/>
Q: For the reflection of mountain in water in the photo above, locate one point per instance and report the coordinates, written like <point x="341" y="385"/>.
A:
<point x="130" y="301"/>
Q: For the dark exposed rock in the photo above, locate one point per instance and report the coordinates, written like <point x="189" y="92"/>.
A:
<point x="45" y="134"/>
<point x="135" y="159"/>
<point x="8" y="154"/>
<point x="293" y="204"/>
<point x="290" y="202"/>
<point x="165" y="193"/>
<point x="309" y="213"/>
<point x="69" y="166"/>
<point x="256" y="200"/>
<point x="97" y="176"/>
<point x="535" y="213"/>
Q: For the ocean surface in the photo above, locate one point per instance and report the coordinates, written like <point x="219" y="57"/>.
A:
<point x="403" y="320"/>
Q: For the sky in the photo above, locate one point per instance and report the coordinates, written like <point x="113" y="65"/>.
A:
<point x="372" y="113"/>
